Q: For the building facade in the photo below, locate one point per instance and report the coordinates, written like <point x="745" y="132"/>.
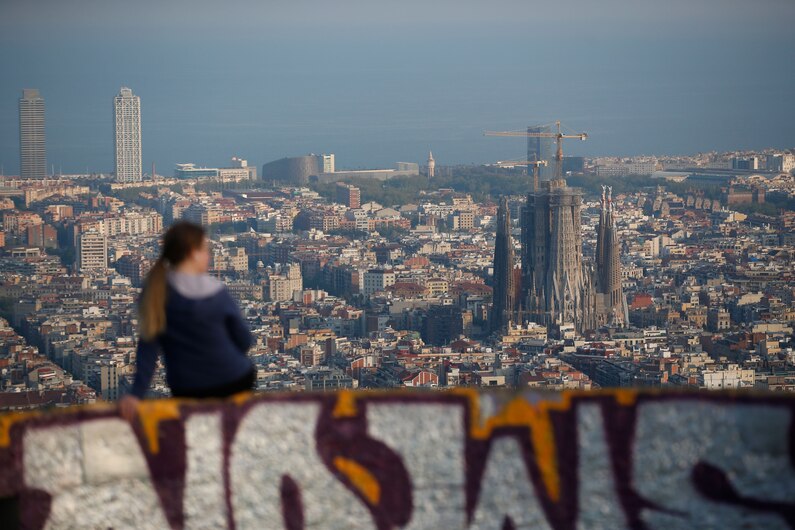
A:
<point x="784" y="162"/>
<point x="282" y="286"/>
<point x="230" y="259"/>
<point x="32" y="147"/>
<point x="349" y="195"/>
<point x="747" y="162"/>
<point x="622" y="169"/>
<point x="239" y="171"/>
<point x="92" y="251"/>
<point x="134" y="267"/>
<point x="328" y="163"/>
<point x="202" y="214"/>
<point x="376" y="280"/>
<point x="292" y="170"/>
<point x="127" y="114"/>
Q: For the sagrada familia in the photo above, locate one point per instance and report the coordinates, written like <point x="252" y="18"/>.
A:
<point x="558" y="286"/>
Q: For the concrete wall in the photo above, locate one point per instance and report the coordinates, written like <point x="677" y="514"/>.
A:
<point x="442" y="460"/>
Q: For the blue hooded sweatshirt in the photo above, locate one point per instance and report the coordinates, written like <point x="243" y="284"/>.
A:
<point x="205" y="341"/>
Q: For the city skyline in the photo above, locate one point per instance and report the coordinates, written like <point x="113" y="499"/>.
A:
<point x="650" y="82"/>
<point x="375" y="277"/>
<point x="535" y="147"/>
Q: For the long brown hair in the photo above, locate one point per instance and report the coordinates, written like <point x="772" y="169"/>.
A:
<point x="178" y="243"/>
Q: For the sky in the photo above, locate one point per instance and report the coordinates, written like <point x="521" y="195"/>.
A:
<point x="378" y="82"/>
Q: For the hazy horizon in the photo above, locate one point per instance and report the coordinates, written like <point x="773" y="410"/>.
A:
<point x="376" y="83"/>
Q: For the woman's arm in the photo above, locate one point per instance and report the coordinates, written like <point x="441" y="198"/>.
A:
<point x="145" y="361"/>
<point x="236" y="326"/>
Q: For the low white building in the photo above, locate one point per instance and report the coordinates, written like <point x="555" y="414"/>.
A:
<point x="732" y="377"/>
<point x="376" y="280"/>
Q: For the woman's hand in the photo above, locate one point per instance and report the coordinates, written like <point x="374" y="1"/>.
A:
<point x="128" y="407"/>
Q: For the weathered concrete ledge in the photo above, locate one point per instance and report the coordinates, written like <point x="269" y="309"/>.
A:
<point x="441" y="460"/>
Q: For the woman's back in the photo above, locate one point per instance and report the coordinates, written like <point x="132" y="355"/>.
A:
<point x="205" y="340"/>
<point x="191" y="319"/>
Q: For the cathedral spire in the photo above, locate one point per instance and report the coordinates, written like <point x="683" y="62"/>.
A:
<point x="503" y="298"/>
<point x="611" y="305"/>
<point x="610" y="199"/>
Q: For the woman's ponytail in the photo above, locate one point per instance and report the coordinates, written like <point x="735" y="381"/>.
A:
<point x="152" y="310"/>
<point x="178" y="242"/>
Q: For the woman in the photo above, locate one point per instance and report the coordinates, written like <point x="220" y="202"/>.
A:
<point x="192" y="319"/>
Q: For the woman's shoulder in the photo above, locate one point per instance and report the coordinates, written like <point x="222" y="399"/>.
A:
<point x="195" y="286"/>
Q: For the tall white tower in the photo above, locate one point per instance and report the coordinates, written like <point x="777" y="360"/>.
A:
<point x="127" y="113"/>
<point x="431" y="165"/>
<point x="32" y="152"/>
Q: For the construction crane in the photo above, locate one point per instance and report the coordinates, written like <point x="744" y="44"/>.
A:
<point x="558" y="136"/>
<point x="535" y="163"/>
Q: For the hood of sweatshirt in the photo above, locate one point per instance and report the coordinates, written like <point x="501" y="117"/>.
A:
<point x="194" y="286"/>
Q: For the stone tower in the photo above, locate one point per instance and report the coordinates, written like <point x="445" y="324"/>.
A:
<point x="611" y="305"/>
<point x="556" y="288"/>
<point x="503" y="300"/>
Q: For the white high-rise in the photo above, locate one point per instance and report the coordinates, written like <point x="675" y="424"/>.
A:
<point x="32" y="152"/>
<point x="92" y="251"/>
<point x="127" y="113"/>
<point x="328" y="163"/>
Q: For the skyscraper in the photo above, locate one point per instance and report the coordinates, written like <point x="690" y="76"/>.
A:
<point x="611" y="305"/>
<point x="127" y="113"/>
<point x="542" y="149"/>
<point x="556" y="288"/>
<point x="503" y="303"/>
<point x="32" y="151"/>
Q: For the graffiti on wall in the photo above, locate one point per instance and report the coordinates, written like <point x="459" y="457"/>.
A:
<point x="459" y="459"/>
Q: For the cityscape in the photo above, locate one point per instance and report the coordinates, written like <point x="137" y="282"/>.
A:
<point x="397" y="265"/>
<point x="664" y="272"/>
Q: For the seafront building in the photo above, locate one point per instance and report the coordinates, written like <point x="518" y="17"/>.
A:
<point x="32" y="144"/>
<point x="127" y="137"/>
